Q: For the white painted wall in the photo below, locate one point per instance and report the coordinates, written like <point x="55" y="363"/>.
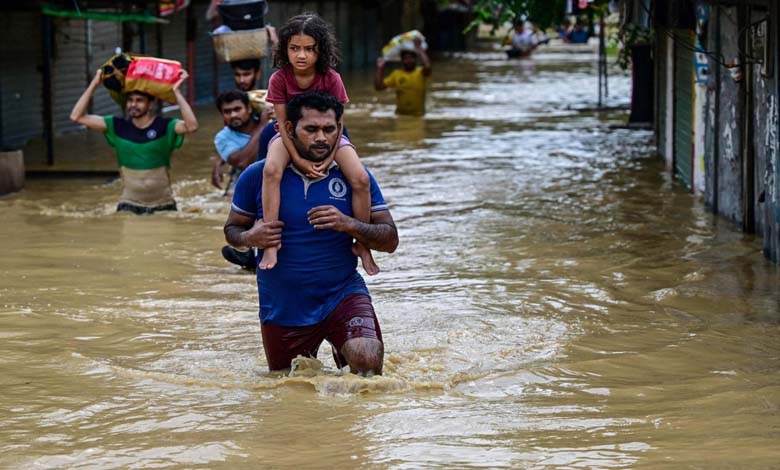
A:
<point x="699" y="131"/>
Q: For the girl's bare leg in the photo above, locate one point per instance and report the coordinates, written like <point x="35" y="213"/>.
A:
<point x="275" y="163"/>
<point x="358" y="179"/>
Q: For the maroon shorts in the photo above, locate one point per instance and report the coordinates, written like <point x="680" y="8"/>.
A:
<point x="354" y="317"/>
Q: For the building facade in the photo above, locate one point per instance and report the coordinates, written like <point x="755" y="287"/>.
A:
<point x="716" y="105"/>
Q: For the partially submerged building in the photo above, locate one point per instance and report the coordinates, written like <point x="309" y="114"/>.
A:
<point x="716" y="104"/>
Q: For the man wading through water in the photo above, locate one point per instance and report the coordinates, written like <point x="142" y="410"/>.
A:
<point x="315" y="292"/>
<point x="252" y="145"/>
<point x="143" y="143"/>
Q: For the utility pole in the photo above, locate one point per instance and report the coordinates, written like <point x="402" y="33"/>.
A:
<point x="603" y="86"/>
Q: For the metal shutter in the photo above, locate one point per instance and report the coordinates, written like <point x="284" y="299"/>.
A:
<point x="21" y="104"/>
<point x="204" y="57"/>
<point x="174" y="41"/>
<point x="69" y="71"/>
<point x="683" y="105"/>
<point x="104" y="37"/>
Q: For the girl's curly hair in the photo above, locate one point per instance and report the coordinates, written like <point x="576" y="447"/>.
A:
<point x="310" y="24"/>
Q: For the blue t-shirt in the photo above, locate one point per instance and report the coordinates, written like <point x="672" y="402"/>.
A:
<point x="269" y="131"/>
<point x="316" y="269"/>
<point x="227" y="141"/>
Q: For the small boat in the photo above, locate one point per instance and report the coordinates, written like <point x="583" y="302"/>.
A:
<point x="518" y="53"/>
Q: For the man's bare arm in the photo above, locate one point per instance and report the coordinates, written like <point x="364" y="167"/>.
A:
<point x="235" y="228"/>
<point x="425" y="62"/>
<point x="216" y="172"/>
<point x="189" y="122"/>
<point x="380" y="234"/>
<point x="247" y="155"/>
<point x="242" y="231"/>
<point x="79" y="113"/>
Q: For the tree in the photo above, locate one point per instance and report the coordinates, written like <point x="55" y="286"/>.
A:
<point x="543" y="13"/>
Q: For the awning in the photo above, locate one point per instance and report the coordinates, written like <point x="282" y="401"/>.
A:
<point x="101" y="15"/>
<point x="169" y="7"/>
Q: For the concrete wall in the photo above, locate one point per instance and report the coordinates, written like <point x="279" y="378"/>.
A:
<point x="668" y="95"/>
<point x="736" y="118"/>
<point x="771" y="210"/>
<point x="729" y="133"/>
<point x="763" y="140"/>
<point x="11" y="171"/>
<point x="712" y="122"/>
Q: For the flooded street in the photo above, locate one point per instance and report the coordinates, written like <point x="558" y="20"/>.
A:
<point x="556" y="301"/>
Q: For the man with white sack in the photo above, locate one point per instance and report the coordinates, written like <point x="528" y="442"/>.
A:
<point x="410" y="80"/>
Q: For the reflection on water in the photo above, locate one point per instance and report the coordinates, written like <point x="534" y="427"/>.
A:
<point x="556" y="302"/>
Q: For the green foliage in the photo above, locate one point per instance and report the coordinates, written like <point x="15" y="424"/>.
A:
<point x="543" y="13"/>
<point x="630" y="35"/>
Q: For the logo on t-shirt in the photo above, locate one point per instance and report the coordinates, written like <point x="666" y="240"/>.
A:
<point x="151" y="134"/>
<point x="337" y="188"/>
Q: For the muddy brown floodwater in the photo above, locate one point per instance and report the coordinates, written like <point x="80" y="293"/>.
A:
<point x="556" y="302"/>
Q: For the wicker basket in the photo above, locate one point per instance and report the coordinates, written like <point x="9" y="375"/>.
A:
<point x="240" y="45"/>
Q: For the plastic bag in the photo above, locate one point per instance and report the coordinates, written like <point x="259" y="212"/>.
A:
<point x="112" y="75"/>
<point x="257" y="99"/>
<point x="403" y="42"/>
<point x="153" y="76"/>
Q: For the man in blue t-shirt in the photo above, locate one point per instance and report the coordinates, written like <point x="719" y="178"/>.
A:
<point x="315" y="292"/>
<point x="244" y="137"/>
<point x="240" y="141"/>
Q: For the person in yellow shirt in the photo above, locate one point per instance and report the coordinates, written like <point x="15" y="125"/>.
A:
<point x="409" y="81"/>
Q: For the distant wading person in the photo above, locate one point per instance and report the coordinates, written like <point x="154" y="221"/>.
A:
<point x="314" y="293"/>
<point x="410" y="81"/>
<point x="143" y="143"/>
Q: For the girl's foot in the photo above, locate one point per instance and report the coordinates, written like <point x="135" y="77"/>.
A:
<point x="366" y="258"/>
<point x="269" y="258"/>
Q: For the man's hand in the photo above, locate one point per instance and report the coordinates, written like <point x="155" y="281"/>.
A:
<point x="264" y="234"/>
<point x="380" y="234"/>
<point x="216" y="173"/>
<point x="183" y="75"/>
<point x="98" y="77"/>
<point x="380" y="62"/>
<point x="329" y="218"/>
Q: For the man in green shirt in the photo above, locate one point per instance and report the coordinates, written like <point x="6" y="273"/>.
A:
<point x="144" y="143"/>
